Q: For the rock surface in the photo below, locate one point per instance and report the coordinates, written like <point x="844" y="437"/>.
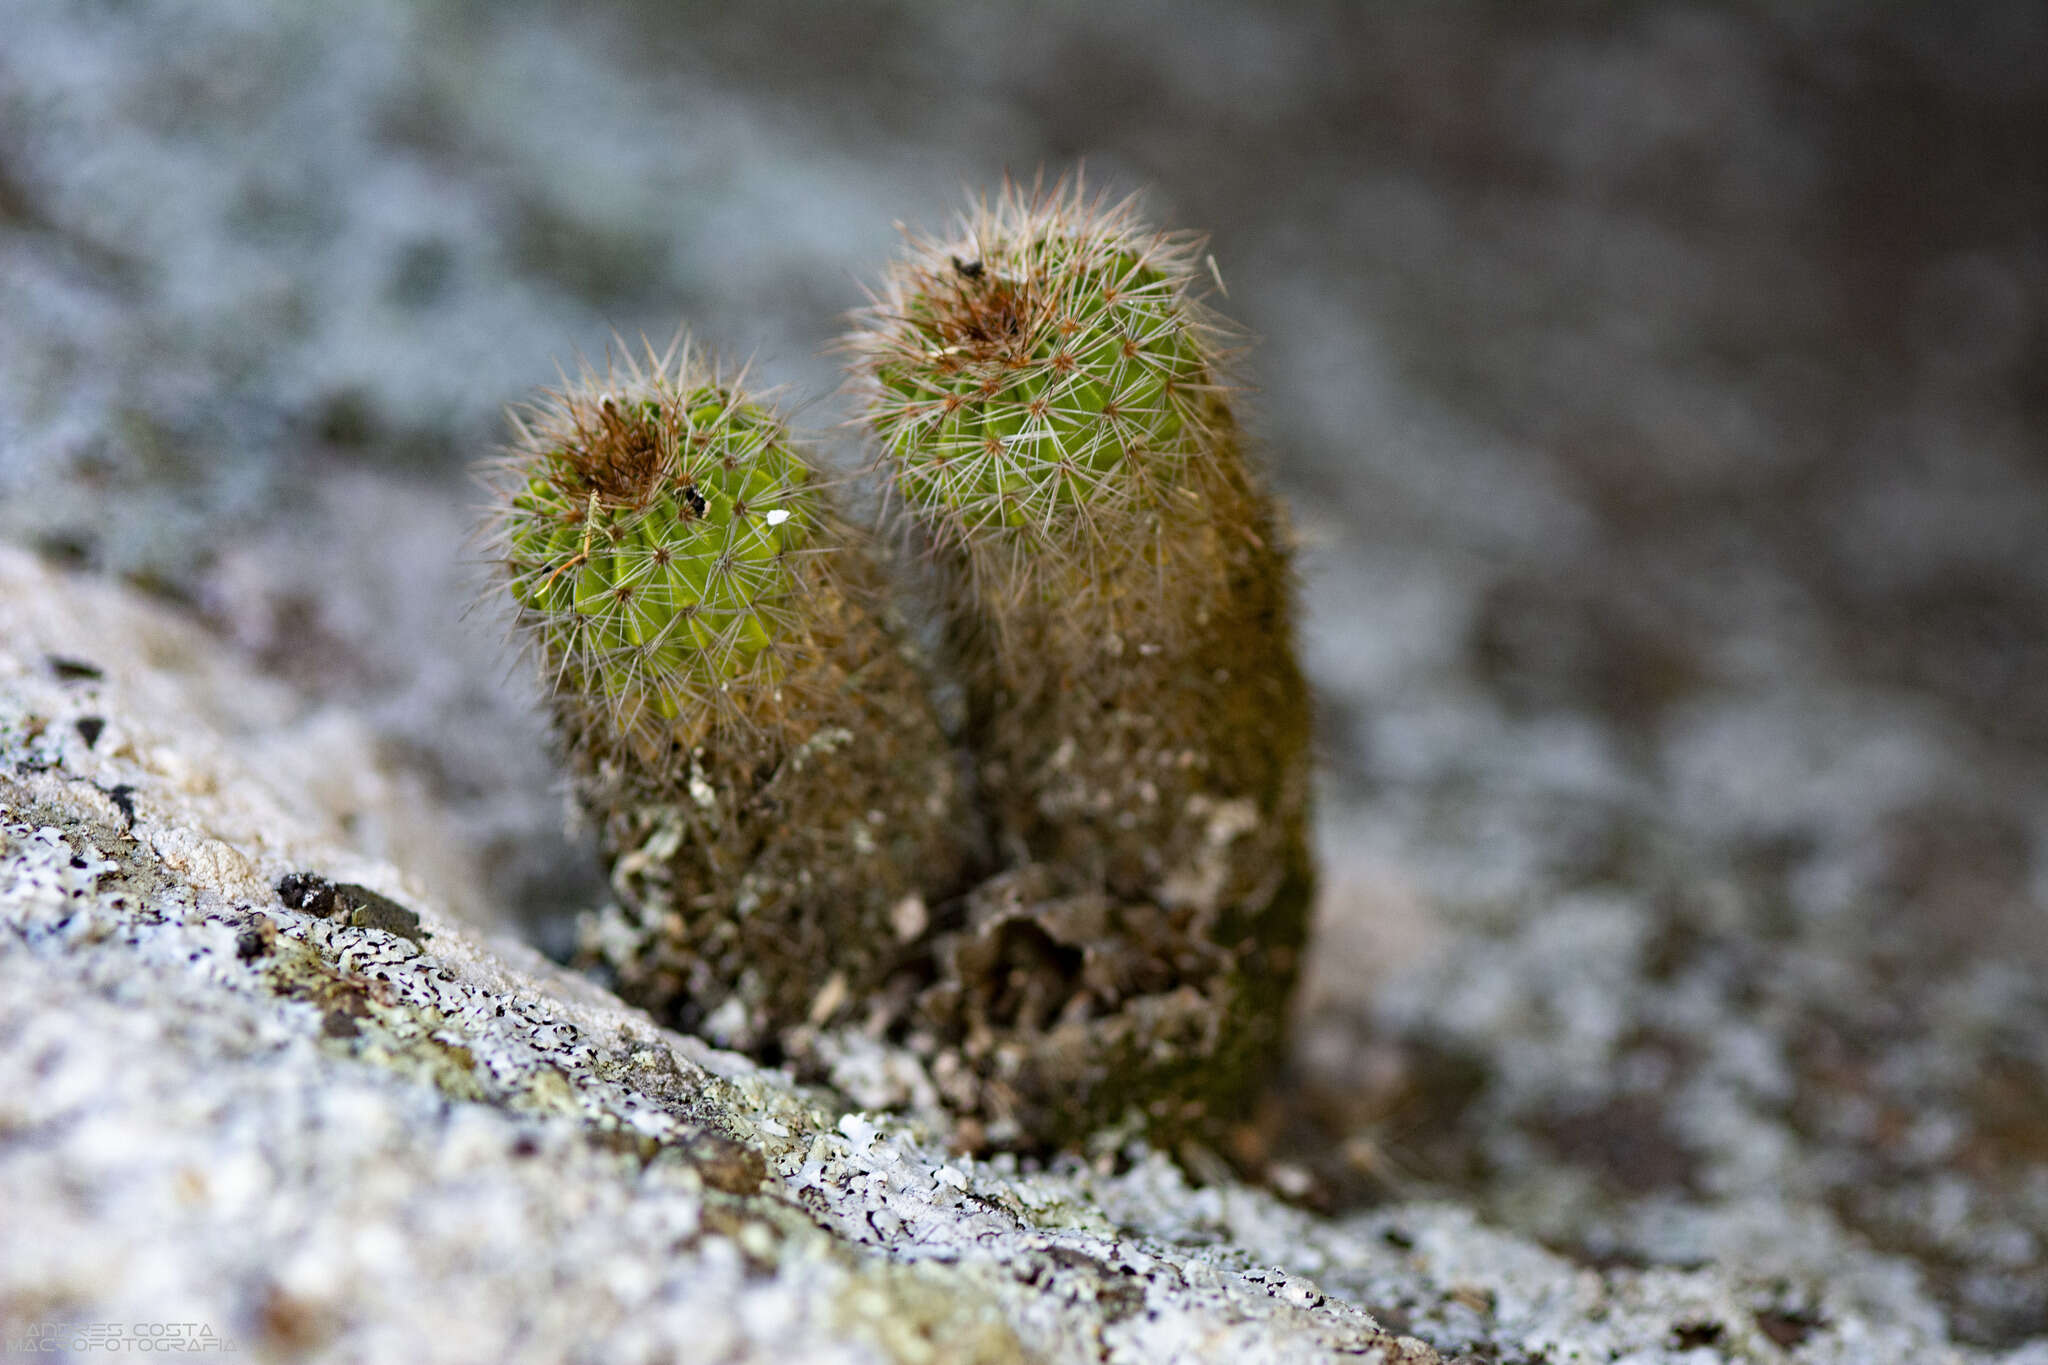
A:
<point x="1658" y="388"/>
<point x="321" y="1139"/>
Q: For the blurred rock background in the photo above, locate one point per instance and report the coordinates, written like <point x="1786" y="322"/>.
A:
<point x="1662" y="390"/>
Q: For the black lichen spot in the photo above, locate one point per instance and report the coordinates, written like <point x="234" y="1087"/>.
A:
<point x="123" y="797"/>
<point x="89" y="728"/>
<point x="73" y="670"/>
<point x="253" y="942"/>
<point x="307" y="892"/>
<point x="359" y="906"/>
<point x="1687" y="1335"/>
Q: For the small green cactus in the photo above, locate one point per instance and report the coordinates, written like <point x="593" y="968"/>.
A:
<point x="756" y="747"/>
<point x="649" y="545"/>
<point x="1044" y="390"/>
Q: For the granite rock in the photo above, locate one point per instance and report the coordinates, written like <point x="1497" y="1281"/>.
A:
<point x="321" y="1136"/>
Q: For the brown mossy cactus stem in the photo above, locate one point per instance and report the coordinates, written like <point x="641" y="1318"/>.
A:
<point x="1045" y="390"/>
<point x="753" y="742"/>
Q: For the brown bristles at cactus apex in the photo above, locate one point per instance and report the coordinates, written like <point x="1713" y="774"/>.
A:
<point x="1041" y="378"/>
<point x="755" y="747"/>
<point x="1043" y="388"/>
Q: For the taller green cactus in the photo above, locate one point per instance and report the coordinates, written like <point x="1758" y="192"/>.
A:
<point x="756" y="747"/>
<point x="1038" y="386"/>
<point x="1044" y="390"/>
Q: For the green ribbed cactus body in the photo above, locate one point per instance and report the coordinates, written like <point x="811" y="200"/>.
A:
<point x="1041" y="378"/>
<point x="650" y="547"/>
<point x="753" y="743"/>
<point x="1044" y="395"/>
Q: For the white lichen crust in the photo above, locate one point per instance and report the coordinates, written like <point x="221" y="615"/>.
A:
<point x="324" y="1141"/>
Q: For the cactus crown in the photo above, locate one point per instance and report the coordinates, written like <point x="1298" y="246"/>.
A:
<point x="651" y="524"/>
<point x="1044" y="369"/>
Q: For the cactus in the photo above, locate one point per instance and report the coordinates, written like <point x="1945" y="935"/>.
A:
<point x="779" y="804"/>
<point x="1044" y="390"/>
<point x="755" y="746"/>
